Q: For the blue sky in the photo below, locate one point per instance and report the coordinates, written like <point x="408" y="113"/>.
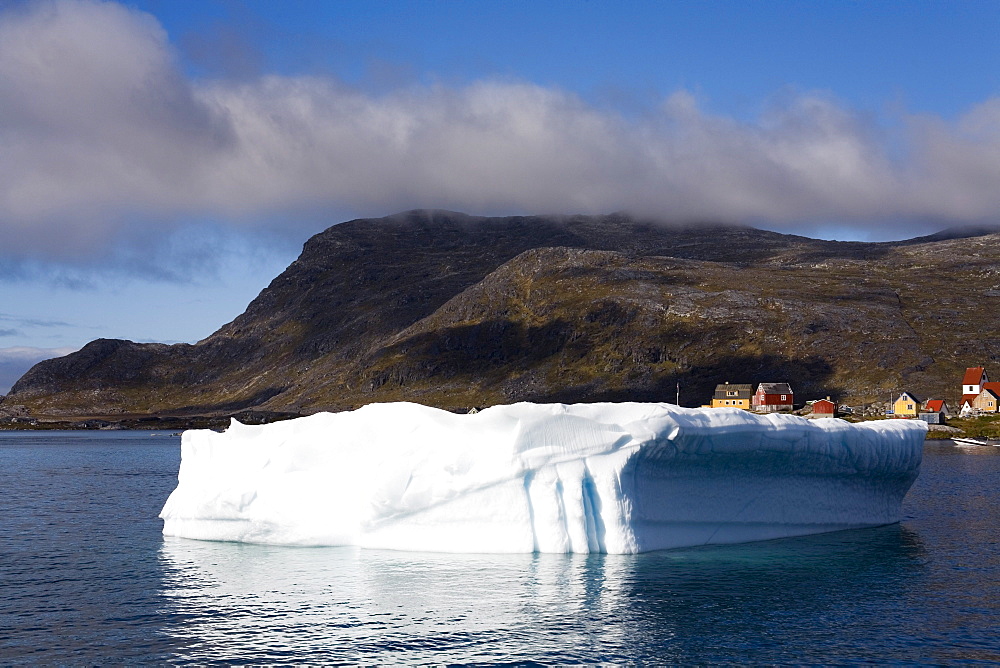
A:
<point x="163" y="159"/>
<point x="931" y="56"/>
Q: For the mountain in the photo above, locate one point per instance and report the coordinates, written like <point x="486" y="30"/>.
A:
<point x="459" y="311"/>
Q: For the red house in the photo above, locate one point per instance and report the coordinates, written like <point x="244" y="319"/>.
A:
<point x="772" y="397"/>
<point x="825" y="407"/>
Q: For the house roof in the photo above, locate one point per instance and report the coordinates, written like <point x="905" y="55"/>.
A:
<point x="743" y="390"/>
<point x="912" y="397"/>
<point x="935" y="405"/>
<point x="968" y="399"/>
<point x="776" y="388"/>
<point x="995" y="387"/>
<point x="989" y="391"/>
<point x="973" y="375"/>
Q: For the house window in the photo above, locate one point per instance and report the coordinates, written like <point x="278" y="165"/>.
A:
<point x="731" y="393"/>
<point x="909" y="407"/>
<point x="782" y="397"/>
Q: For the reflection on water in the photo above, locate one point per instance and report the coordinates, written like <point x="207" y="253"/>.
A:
<point x="265" y="603"/>
<point x="87" y="578"/>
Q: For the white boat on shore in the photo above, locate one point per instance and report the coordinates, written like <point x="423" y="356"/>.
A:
<point x="974" y="441"/>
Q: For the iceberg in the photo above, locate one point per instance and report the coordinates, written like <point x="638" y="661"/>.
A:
<point x="605" y="477"/>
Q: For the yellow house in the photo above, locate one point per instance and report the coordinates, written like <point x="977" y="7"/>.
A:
<point x="733" y="395"/>
<point x="906" y="406"/>
<point x="987" y="401"/>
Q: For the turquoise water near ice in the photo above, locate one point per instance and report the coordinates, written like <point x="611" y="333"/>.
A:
<point x="87" y="578"/>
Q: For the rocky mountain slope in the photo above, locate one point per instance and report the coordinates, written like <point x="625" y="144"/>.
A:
<point x="458" y="311"/>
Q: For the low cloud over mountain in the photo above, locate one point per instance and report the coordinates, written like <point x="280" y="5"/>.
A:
<point x="106" y="137"/>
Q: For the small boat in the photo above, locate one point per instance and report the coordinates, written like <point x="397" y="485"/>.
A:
<point x="971" y="441"/>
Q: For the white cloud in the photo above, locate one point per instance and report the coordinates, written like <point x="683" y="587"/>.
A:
<point x="102" y="136"/>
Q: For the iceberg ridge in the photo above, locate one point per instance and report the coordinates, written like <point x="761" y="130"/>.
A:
<point x="616" y="478"/>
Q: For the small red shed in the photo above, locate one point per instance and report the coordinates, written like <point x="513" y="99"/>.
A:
<point x="825" y="407"/>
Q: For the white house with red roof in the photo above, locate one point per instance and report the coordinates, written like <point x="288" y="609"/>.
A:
<point x="972" y="385"/>
<point x="937" y="406"/>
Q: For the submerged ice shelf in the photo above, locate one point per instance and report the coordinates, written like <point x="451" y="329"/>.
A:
<point x="617" y="478"/>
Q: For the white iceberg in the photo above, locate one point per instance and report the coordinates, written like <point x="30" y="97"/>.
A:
<point x="616" y="478"/>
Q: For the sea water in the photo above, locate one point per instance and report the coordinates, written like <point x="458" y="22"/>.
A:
<point x="86" y="577"/>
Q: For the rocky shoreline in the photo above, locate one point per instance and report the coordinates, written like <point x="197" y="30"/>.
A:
<point x="26" y="422"/>
<point x="17" y="418"/>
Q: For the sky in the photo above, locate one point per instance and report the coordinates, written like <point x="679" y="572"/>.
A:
<point x="162" y="160"/>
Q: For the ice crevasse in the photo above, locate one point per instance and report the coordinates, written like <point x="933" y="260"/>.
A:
<point x="605" y="477"/>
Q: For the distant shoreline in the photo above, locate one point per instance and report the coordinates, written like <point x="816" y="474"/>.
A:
<point x="142" y="423"/>
<point x="215" y="422"/>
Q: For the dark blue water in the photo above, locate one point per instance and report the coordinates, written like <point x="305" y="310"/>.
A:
<point x="87" y="578"/>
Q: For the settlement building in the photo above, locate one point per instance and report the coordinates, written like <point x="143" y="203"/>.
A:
<point x="988" y="400"/>
<point x="735" y="395"/>
<point x="934" y="412"/>
<point x="974" y="379"/>
<point x="972" y="384"/>
<point x="772" y="397"/>
<point x="937" y="406"/>
<point x="824" y="407"/>
<point x="906" y="406"/>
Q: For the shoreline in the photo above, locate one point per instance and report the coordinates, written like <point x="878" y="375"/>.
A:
<point x="141" y="422"/>
<point x="984" y="427"/>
